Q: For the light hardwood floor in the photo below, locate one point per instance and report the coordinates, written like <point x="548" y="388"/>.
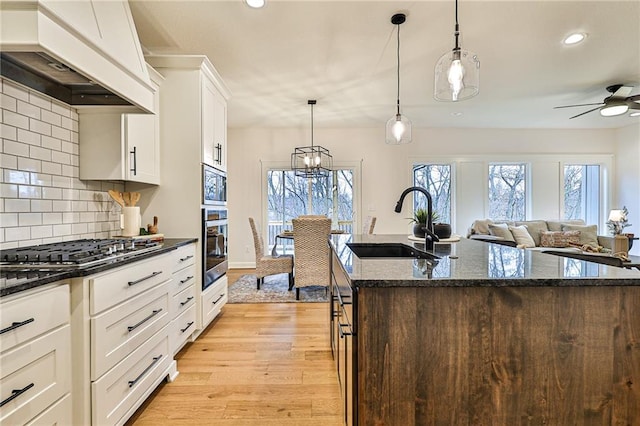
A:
<point x="256" y="364"/>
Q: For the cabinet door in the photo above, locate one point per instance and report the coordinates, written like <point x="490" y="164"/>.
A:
<point x="208" y="122"/>
<point x="219" y="131"/>
<point x="143" y="162"/>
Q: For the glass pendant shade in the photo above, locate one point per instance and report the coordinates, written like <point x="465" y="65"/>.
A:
<point x="398" y="130"/>
<point x="457" y="76"/>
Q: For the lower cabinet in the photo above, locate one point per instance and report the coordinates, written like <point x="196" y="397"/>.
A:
<point x="213" y="299"/>
<point x="35" y="357"/>
<point x="183" y="297"/>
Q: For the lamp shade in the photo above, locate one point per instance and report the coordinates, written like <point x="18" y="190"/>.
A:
<point x="616" y="215"/>
<point x="398" y="130"/>
<point x="457" y="76"/>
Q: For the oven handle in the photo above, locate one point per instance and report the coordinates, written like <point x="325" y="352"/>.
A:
<point x="218" y="222"/>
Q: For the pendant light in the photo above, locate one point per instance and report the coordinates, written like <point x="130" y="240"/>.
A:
<point x="311" y="161"/>
<point x="457" y="72"/>
<point x="398" y="128"/>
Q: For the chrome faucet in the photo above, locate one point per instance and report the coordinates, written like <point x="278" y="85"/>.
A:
<point x="429" y="236"/>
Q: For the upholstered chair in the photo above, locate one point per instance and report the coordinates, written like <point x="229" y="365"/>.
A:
<point x="368" y="225"/>
<point x="268" y="264"/>
<point x="311" y="251"/>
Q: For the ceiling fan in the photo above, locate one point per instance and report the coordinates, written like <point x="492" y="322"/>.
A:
<point x="617" y="103"/>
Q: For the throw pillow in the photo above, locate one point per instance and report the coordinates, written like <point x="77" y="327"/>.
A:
<point x="481" y="226"/>
<point x="522" y="236"/>
<point x="588" y="233"/>
<point x="559" y="238"/>
<point x="501" y="230"/>
<point x="535" y="227"/>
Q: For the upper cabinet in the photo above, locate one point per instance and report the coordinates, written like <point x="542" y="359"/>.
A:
<point x="214" y="125"/>
<point x="121" y="146"/>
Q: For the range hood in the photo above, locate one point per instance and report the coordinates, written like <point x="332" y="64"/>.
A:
<point x="81" y="52"/>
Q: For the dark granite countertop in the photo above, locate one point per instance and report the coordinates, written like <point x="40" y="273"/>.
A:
<point x="14" y="281"/>
<point x="469" y="263"/>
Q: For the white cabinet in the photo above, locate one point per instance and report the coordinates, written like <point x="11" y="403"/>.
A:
<point x="35" y="355"/>
<point x="214" y="125"/>
<point x="183" y="297"/>
<point x="213" y="299"/>
<point x="121" y="146"/>
<point x="121" y="321"/>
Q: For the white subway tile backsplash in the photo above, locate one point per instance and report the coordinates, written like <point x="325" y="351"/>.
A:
<point x="41" y="205"/>
<point x="11" y="118"/>
<point x="40" y="127"/>
<point x="51" y="143"/>
<point x="29" y="110"/>
<point x="30" y="219"/>
<point x="16" y="176"/>
<point x="15" y="148"/>
<point x="28" y="191"/>
<point x="27" y="136"/>
<point x="43" y="200"/>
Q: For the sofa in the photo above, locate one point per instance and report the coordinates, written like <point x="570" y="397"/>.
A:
<point x="567" y="235"/>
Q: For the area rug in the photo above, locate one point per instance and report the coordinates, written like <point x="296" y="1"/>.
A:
<point x="273" y="290"/>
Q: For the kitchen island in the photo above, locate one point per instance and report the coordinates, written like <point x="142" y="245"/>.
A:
<point x="484" y="335"/>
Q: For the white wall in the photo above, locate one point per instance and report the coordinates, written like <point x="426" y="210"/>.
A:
<point x="628" y="178"/>
<point x="386" y="170"/>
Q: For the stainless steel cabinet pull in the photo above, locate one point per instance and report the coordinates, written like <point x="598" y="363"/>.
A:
<point x="187" y="327"/>
<point x="153" y="314"/>
<point x="15" y="325"/>
<point x="153" y="274"/>
<point x="16" y="393"/>
<point x="218" y="299"/>
<point x="134" y="169"/>
<point x="182" y="259"/>
<point x="190" y="277"/>
<point x="186" y="301"/>
<point x="146" y="370"/>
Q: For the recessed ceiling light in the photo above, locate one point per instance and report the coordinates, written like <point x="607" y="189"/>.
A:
<point x="574" y="38"/>
<point x="456" y="114"/>
<point x="634" y="114"/>
<point x="256" y="4"/>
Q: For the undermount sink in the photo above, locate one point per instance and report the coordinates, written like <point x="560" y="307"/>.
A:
<point x="366" y="250"/>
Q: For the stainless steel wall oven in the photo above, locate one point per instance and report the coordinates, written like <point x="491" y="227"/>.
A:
<point x="214" y="241"/>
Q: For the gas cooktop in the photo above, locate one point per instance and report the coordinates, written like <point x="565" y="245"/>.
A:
<point x="74" y="254"/>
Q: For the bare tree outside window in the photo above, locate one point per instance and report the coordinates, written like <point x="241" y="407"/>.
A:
<point x="507" y="193"/>
<point x="436" y="179"/>
<point x="582" y="192"/>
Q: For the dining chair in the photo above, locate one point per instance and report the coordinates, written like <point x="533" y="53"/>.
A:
<point x="268" y="264"/>
<point x="368" y="225"/>
<point x="311" y="251"/>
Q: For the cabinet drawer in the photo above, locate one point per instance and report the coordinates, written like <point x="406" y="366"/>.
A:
<point x="121" y="389"/>
<point x="213" y="299"/>
<point x="182" y="327"/>
<point x="118" y="331"/>
<point x="58" y="414"/>
<point x="182" y="279"/>
<point x="40" y="370"/>
<point x="184" y="256"/>
<point x="182" y="301"/>
<point x="111" y="288"/>
<point x="33" y="314"/>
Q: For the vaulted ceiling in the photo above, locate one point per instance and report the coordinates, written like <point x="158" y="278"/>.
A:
<point x="343" y="53"/>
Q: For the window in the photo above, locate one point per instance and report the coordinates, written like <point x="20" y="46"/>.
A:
<point x="507" y="191"/>
<point x="289" y="196"/>
<point x="582" y="192"/>
<point x="436" y="179"/>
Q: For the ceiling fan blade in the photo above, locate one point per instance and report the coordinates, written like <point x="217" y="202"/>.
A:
<point x="633" y="105"/>
<point x="586" y="112"/>
<point x="634" y="98"/>
<point x="579" y="105"/>
<point x="622" y="92"/>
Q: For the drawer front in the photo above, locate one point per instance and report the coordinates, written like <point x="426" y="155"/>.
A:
<point x="184" y="256"/>
<point x="33" y="314"/>
<point x="182" y="328"/>
<point x="113" y="287"/>
<point x="40" y="370"/>
<point x="182" y="279"/>
<point x="118" y="331"/>
<point x="213" y="299"/>
<point x="58" y="414"/>
<point x="120" y="390"/>
<point x="182" y="301"/>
